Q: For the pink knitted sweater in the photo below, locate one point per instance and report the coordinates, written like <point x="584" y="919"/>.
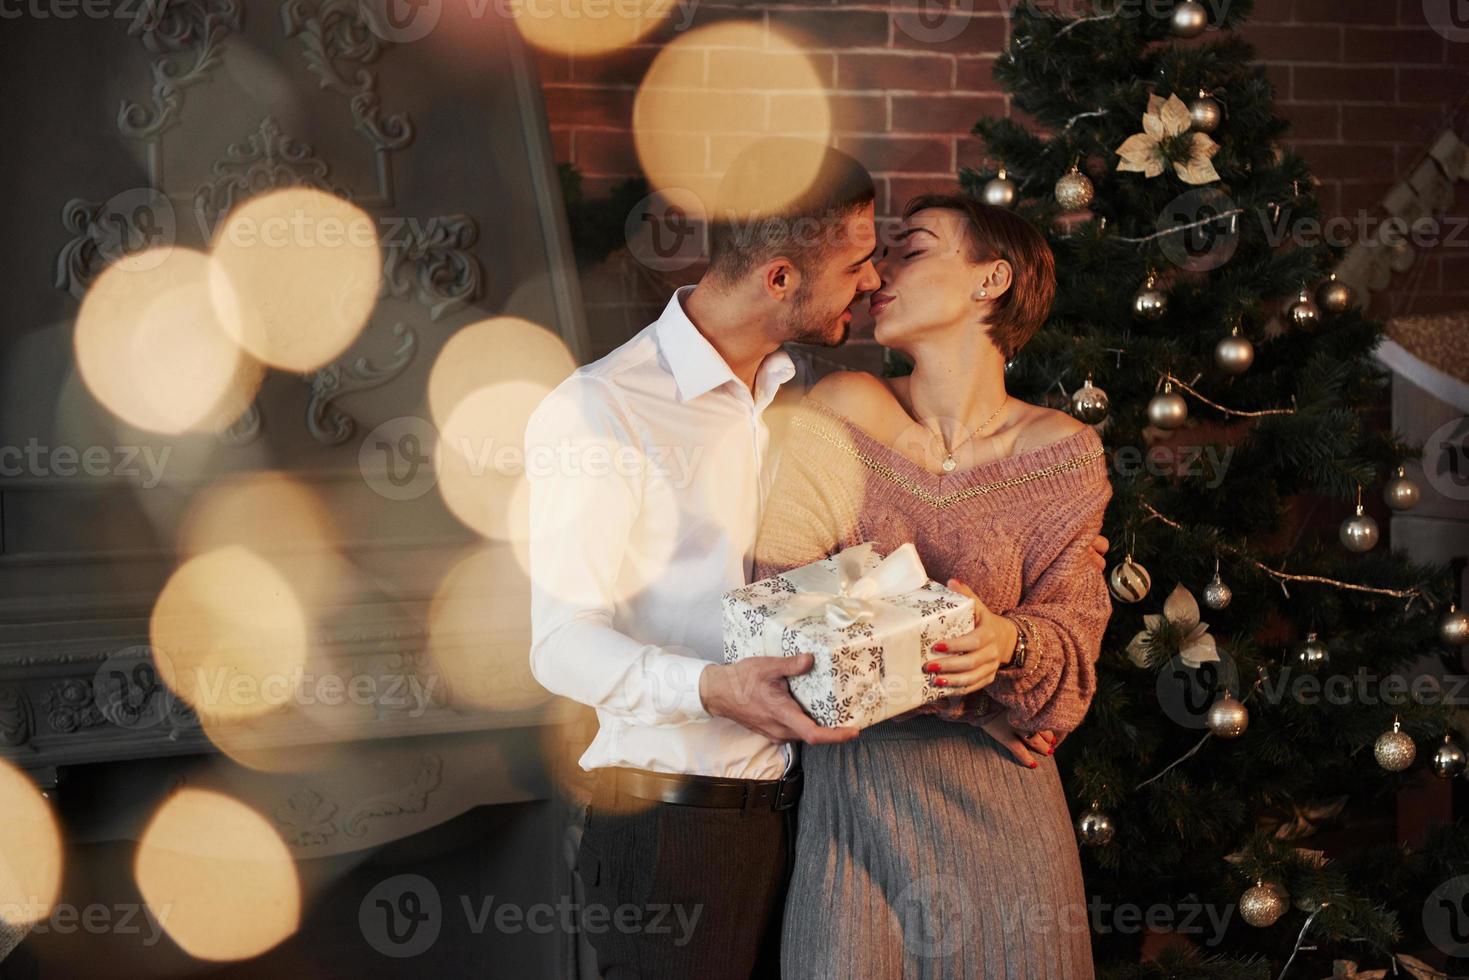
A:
<point x="1016" y="530"/>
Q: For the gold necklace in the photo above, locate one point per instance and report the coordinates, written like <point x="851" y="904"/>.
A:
<point x="948" y="465"/>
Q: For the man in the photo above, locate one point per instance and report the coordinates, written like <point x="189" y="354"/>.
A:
<point x="631" y="551"/>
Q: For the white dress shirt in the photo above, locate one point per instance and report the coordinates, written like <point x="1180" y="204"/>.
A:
<point x="648" y="473"/>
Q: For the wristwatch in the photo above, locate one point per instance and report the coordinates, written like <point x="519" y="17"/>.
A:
<point x="1022" y="646"/>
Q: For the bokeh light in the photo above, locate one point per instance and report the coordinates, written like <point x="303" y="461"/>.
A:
<point x="217" y="876"/>
<point x="295" y="274"/>
<point x="588" y="27"/>
<point x="30" y="850"/>
<point x="151" y="349"/>
<point x="715" y="90"/>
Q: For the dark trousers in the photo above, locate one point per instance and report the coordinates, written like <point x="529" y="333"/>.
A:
<point x="684" y="891"/>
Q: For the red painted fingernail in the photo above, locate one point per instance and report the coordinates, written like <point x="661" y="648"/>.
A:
<point x="941" y="647"/>
<point x="941" y="681"/>
<point x="932" y="667"/>
<point x="1034" y="764"/>
<point x="1051" y="750"/>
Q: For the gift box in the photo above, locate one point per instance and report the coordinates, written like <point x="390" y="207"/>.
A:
<point x="870" y="622"/>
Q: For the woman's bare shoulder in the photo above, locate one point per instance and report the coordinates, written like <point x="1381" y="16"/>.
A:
<point x="1039" y="426"/>
<point x="864" y="398"/>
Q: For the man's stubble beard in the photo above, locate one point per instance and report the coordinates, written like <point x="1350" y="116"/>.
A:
<point x="798" y="327"/>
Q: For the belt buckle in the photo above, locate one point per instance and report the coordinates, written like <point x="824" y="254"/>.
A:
<point x="789" y="791"/>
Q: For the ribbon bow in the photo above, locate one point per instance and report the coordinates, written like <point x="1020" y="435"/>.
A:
<point x="847" y="592"/>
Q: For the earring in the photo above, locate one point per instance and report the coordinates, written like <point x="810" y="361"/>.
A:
<point x="982" y="293"/>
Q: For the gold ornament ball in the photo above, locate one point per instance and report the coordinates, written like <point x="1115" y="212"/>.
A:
<point x="1453" y="629"/>
<point x="1129" y="581"/>
<point x="1262" y="905"/>
<point x="1149" y="303"/>
<point x="1448" y="759"/>
<point x="1312" y="654"/>
<point x="1335" y="296"/>
<point x="1303" y="313"/>
<point x="1089" y="403"/>
<point x="1234" y="354"/>
<point x="1227" y="717"/>
<point x="1359" y="532"/>
<point x="1000" y="191"/>
<point x="1074" y="190"/>
<point x="1095" y="827"/>
<point x="1395" y="750"/>
<point x="1205" y="114"/>
<point x="1190" y="18"/>
<point x="1168" y="410"/>
<point x="1401" y="493"/>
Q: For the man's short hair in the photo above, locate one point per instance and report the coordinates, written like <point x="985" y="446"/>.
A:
<point x="998" y="233"/>
<point x="783" y="196"/>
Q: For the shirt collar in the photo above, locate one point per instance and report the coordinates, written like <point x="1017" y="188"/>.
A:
<point x="698" y="368"/>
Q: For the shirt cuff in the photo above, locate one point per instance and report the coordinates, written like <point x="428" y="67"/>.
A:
<point x="679" y="676"/>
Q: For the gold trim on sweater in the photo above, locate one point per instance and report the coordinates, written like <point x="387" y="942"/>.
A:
<point x="917" y="490"/>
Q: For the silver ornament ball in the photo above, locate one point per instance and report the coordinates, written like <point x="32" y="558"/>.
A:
<point x="1227" y="717"/>
<point x="1448" y="759"/>
<point x="1395" y="750"/>
<point x="1149" y="302"/>
<point x="1089" y="403"/>
<point x="1359" y="532"/>
<point x="1217" y="595"/>
<point x="1205" y="114"/>
<point x="1303" y="313"/>
<point x="1000" y="191"/>
<point x="1401" y="493"/>
<point x="1095" y="827"/>
<point x="1168" y="410"/>
<point x="1311" y="655"/>
<point x="1262" y="905"/>
<point x="1335" y="296"/>
<point x="1453" y="629"/>
<point x="1190" y="18"/>
<point x="1074" y="191"/>
<point x="1234" y="354"/>
<point x="1129" y="581"/>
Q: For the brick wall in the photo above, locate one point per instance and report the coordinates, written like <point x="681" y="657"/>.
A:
<point x="1365" y="85"/>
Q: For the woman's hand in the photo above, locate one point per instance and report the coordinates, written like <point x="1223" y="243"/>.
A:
<point x="1020" y="744"/>
<point x="971" y="660"/>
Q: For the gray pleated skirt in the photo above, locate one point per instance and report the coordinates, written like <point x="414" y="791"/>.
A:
<point x="924" y="850"/>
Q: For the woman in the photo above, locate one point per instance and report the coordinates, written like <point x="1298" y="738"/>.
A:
<point x="926" y="847"/>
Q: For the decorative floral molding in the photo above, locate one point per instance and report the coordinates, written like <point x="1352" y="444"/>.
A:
<point x="326" y="422"/>
<point x="185" y="37"/>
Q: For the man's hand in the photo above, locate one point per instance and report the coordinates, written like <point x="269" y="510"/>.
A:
<point x="1019" y="744"/>
<point x="756" y="693"/>
<point x="973" y="658"/>
<point x="1098" y="554"/>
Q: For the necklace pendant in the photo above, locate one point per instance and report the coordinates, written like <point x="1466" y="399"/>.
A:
<point x="948" y="464"/>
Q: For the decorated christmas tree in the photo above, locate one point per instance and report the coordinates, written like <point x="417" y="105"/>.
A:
<point x="1243" y="718"/>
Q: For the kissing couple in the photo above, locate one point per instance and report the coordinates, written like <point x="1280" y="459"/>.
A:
<point x="937" y="843"/>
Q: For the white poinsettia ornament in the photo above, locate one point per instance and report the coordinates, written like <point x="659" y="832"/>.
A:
<point x="1166" y="138"/>
<point x="1181" y="611"/>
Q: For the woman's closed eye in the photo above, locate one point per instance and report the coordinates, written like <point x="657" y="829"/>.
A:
<point x="917" y="251"/>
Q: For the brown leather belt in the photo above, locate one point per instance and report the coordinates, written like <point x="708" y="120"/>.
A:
<point x="706" y="791"/>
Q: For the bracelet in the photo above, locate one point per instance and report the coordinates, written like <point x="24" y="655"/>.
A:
<point x="1022" y="646"/>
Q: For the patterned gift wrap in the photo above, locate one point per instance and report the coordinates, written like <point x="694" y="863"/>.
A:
<point x="869" y="622"/>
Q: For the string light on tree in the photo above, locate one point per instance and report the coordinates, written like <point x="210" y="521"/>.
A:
<point x="1074" y="191"/>
<point x="1189" y="19"/>
<point x="1335" y="296"/>
<point x="1234" y="354"/>
<point x="1395" y="750"/>
<point x="1359" y="532"/>
<point x="1448" y="759"/>
<point x="1401" y="493"/>
<point x="1000" y="191"/>
<point x="1089" y="403"/>
<point x="1149" y="302"/>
